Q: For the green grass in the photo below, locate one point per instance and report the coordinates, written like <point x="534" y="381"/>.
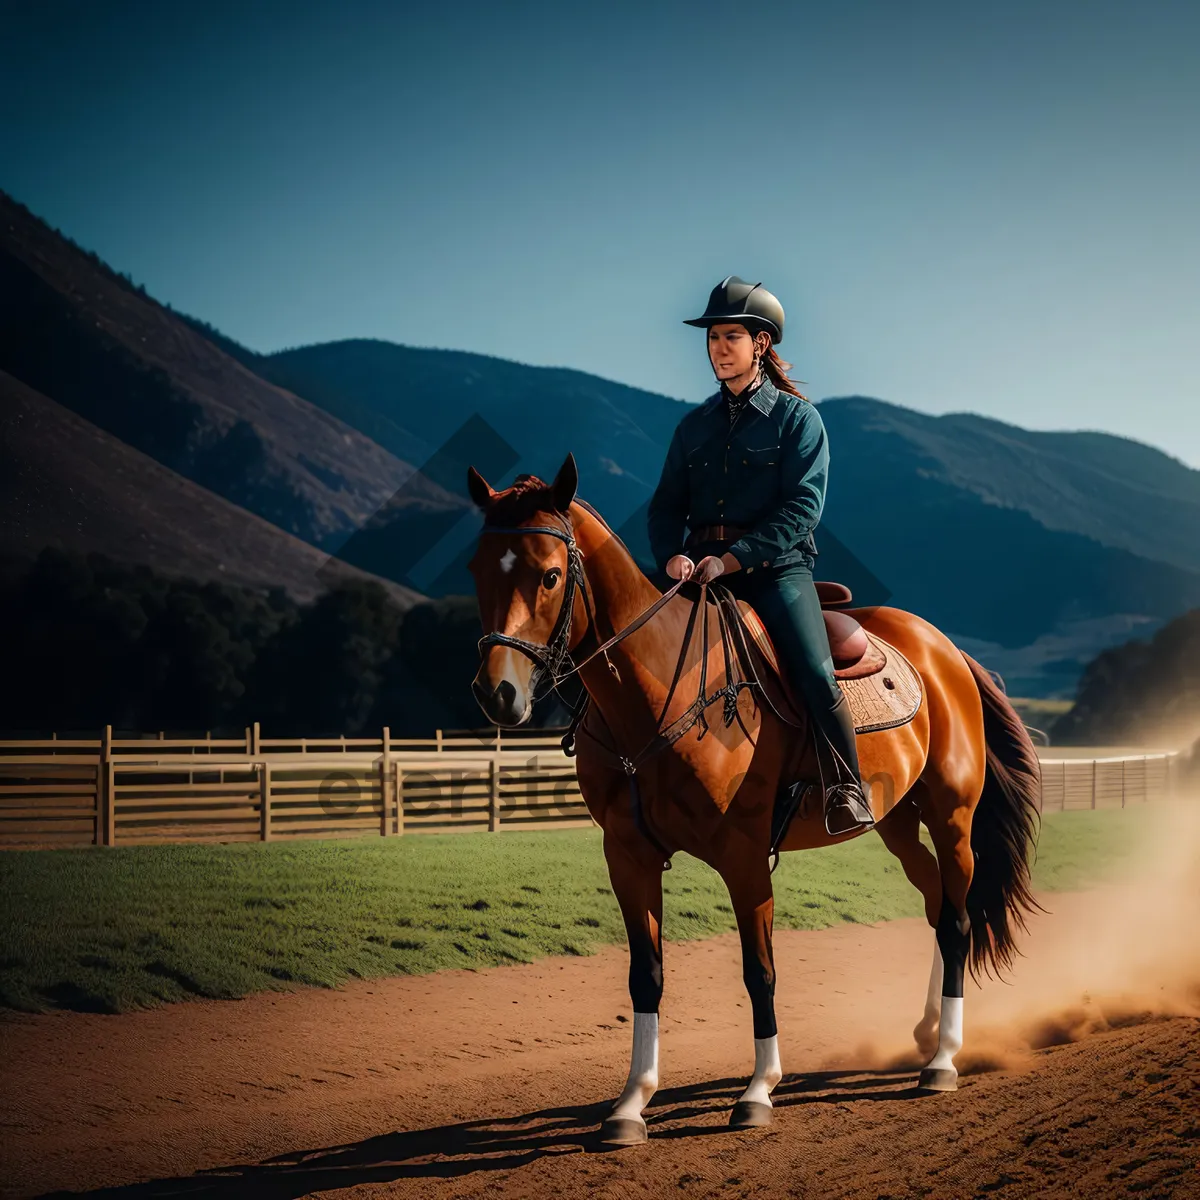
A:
<point x="113" y="929"/>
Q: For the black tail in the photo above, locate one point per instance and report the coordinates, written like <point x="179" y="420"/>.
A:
<point x="1004" y="832"/>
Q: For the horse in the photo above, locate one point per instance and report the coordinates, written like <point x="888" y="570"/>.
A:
<point x="553" y="580"/>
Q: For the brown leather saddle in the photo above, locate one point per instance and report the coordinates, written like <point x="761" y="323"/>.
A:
<point x="855" y="655"/>
<point x="882" y="686"/>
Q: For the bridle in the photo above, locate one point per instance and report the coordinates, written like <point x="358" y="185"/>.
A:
<point x="549" y="657"/>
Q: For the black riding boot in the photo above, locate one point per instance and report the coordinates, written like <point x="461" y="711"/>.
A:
<point x="847" y="800"/>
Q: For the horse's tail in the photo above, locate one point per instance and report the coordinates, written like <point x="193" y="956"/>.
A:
<point x="1004" y="831"/>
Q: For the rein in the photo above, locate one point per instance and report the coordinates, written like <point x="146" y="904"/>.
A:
<point x="550" y="656"/>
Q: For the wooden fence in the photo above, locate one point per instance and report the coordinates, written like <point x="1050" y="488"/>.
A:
<point x="120" y="791"/>
<point x="1106" y="781"/>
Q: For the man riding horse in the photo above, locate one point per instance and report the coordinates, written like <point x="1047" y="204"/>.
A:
<point x="746" y="471"/>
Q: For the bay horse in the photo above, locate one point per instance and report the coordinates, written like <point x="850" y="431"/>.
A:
<point x="553" y="581"/>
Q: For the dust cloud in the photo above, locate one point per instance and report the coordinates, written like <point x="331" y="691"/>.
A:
<point x="1122" y="954"/>
<point x="1129" y="955"/>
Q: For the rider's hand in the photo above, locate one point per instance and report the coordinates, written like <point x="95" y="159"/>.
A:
<point x="707" y="569"/>
<point x="680" y="567"/>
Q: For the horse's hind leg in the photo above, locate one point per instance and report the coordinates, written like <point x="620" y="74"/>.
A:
<point x="637" y="885"/>
<point x="901" y="833"/>
<point x="749" y="887"/>
<point x="947" y="814"/>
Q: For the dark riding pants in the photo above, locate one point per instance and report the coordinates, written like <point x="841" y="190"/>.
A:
<point x="786" y="600"/>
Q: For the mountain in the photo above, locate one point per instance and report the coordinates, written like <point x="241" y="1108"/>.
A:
<point x="75" y="331"/>
<point x="1116" y="491"/>
<point x="1034" y="550"/>
<point x="66" y="483"/>
<point x="991" y="533"/>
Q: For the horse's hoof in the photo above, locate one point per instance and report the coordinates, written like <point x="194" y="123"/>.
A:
<point x="623" y="1131"/>
<point x="938" y="1079"/>
<point x="750" y="1114"/>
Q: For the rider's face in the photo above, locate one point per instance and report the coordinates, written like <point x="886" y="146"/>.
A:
<point x="731" y="350"/>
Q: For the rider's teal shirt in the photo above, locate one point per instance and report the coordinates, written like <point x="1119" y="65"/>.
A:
<point x="767" y="470"/>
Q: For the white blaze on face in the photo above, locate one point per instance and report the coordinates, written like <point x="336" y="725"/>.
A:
<point x="506" y="563"/>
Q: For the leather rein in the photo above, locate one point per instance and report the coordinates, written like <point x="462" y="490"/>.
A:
<point x="549" y="658"/>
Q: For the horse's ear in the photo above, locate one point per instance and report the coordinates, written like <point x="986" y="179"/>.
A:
<point x="565" y="484"/>
<point x="480" y="489"/>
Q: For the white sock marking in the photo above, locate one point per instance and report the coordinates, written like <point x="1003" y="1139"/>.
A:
<point x="950" y="1034"/>
<point x="643" y="1068"/>
<point x="767" y="1071"/>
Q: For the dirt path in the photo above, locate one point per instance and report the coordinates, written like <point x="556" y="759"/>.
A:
<point x="492" y="1082"/>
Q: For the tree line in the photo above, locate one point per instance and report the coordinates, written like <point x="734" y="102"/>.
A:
<point x="95" y="642"/>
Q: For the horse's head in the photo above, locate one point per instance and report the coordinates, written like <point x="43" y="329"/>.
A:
<point x="524" y="586"/>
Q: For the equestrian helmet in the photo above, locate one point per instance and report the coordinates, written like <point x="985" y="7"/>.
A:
<point x="734" y="301"/>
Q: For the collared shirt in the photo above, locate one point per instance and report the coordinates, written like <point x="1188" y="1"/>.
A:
<point x="766" y="471"/>
<point x="736" y="401"/>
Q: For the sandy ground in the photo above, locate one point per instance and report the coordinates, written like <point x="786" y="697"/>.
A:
<point x="1083" y="1078"/>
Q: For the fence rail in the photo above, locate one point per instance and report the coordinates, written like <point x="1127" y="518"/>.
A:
<point x="135" y="790"/>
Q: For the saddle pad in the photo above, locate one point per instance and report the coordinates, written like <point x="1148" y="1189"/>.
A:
<point x="884" y="699"/>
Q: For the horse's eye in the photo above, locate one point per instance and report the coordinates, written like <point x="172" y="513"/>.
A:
<point x="550" y="579"/>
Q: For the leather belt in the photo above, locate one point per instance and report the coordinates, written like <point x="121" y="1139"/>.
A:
<point x="716" y="533"/>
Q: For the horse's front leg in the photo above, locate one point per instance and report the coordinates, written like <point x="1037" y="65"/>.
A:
<point x="637" y="884"/>
<point x="754" y="906"/>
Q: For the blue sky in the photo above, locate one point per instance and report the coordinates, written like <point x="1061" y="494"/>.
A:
<point x="962" y="207"/>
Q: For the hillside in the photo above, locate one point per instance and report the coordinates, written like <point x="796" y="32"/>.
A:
<point x="73" y="330"/>
<point x="528" y="418"/>
<point x="1036" y="550"/>
<point x="67" y="484"/>
<point x="1035" y="599"/>
<point x="1141" y="692"/>
<point x="1115" y="491"/>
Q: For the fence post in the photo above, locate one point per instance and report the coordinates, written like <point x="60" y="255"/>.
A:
<point x="439" y="741"/>
<point x="264" y="801"/>
<point x="494" y="794"/>
<point x="399" y="800"/>
<point x="385" y="782"/>
<point x="248" y="739"/>
<point x="1093" y="783"/>
<point x="255" y="738"/>
<point x="102" y="799"/>
<point x="110" y="791"/>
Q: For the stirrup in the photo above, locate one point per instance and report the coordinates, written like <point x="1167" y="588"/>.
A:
<point x="854" y="805"/>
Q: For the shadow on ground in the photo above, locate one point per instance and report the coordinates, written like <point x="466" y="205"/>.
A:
<point x="448" y="1151"/>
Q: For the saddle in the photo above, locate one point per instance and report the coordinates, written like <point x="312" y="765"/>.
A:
<point x="881" y="685"/>
<point x="855" y="656"/>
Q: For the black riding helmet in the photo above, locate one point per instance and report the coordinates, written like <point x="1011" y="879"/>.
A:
<point x="734" y="301"/>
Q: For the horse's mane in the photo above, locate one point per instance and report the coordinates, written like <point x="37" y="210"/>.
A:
<point x="528" y="495"/>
